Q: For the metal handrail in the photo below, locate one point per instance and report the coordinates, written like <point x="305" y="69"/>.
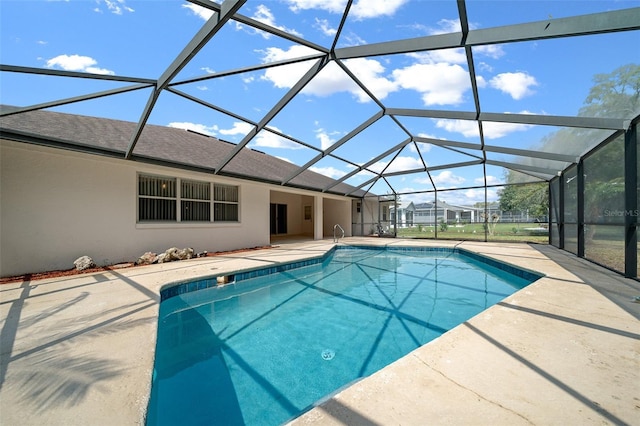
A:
<point x="335" y="239"/>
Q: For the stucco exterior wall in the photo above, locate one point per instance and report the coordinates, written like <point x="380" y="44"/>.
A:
<point x="56" y="206"/>
<point x="337" y="212"/>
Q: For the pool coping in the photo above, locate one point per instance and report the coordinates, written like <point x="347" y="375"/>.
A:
<point x="178" y="288"/>
<point x="79" y="350"/>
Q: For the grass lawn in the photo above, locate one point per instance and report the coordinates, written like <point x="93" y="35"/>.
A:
<point x="606" y="247"/>
<point x="475" y="231"/>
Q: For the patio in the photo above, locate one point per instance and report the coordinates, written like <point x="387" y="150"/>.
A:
<point x="564" y="350"/>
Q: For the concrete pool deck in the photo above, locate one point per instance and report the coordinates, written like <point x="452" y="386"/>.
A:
<point x="565" y="350"/>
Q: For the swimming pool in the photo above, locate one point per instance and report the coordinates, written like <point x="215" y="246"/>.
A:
<point x="265" y="349"/>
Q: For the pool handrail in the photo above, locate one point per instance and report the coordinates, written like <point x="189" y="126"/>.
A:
<point x="337" y="226"/>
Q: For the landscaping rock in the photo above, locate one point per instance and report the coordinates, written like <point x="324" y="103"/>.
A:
<point x="147" y="259"/>
<point x="84" y="262"/>
<point x="175" y="253"/>
<point x="185" y="253"/>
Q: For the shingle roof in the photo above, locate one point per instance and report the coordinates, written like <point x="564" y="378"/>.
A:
<point x="171" y="146"/>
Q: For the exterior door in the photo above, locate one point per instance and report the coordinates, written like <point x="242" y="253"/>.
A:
<point x="278" y="219"/>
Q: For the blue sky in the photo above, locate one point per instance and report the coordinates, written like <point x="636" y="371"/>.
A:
<point x="141" y="38"/>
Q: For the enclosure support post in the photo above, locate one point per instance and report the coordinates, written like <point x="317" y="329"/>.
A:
<point x="362" y="216"/>
<point x="435" y="214"/>
<point x="395" y="208"/>
<point x="549" y="212"/>
<point x="580" y="206"/>
<point x="631" y="201"/>
<point x="318" y="218"/>
<point x="561" y="212"/>
<point x="486" y="213"/>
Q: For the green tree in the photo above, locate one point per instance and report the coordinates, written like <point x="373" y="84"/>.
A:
<point x="532" y="198"/>
<point x="613" y="95"/>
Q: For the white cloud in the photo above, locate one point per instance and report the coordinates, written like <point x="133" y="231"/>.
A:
<point x="450" y="56"/>
<point x="491" y="180"/>
<point x="447" y="177"/>
<point x="364" y="9"/>
<point x="285" y="76"/>
<point x="77" y="63"/>
<point x="333" y="6"/>
<point x="491" y="130"/>
<point x="325" y="140"/>
<point x="208" y="70"/>
<point x="493" y="51"/>
<point x="429" y="136"/>
<point x="465" y="127"/>
<point x="239" y="128"/>
<point x="422" y="147"/>
<point x="332" y="79"/>
<point x="324" y="27"/>
<point x="200" y="128"/>
<point x="199" y="11"/>
<point x="483" y="66"/>
<point x="361" y="9"/>
<point x="439" y="84"/>
<point x="117" y="7"/>
<point x="263" y="14"/>
<point x="472" y="196"/>
<point x="446" y="26"/>
<point x="414" y="198"/>
<point x="466" y="198"/>
<point x="492" y="195"/>
<point x="351" y="39"/>
<point x="331" y="172"/>
<point x="477" y="196"/>
<point x="516" y="84"/>
<point x="424" y="181"/>
<point x="399" y="164"/>
<point x="267" y="139"/>
<point x="370" y="73"/>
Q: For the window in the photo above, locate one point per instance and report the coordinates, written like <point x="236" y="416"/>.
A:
<point x="156" y="198"/>
<point x="195" y="201"/>
<point x="225" y="206"/>
<point x="167" y="199"/>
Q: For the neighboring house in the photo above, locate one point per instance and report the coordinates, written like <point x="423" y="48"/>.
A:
<point x="430" y="213"/>
<point x="66" y="190"/>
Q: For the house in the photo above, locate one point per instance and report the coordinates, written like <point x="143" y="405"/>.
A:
<point x="429" y="214"/>
<point x="67" y="190"/>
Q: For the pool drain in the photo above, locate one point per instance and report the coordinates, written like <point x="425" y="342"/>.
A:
<point x="327" y="354"/>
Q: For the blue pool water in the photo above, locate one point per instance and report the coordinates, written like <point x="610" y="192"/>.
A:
<point x="264" y="350"/>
